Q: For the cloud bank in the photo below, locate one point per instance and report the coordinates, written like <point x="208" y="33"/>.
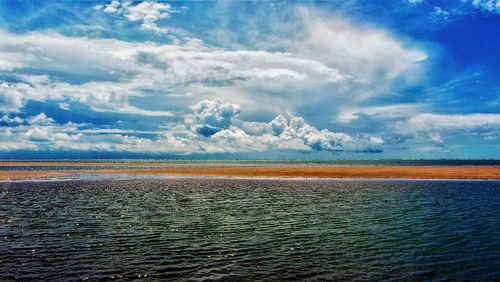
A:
<point x="211" y="128"/>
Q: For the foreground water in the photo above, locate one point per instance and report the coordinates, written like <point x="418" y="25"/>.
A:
<point x="221" y="229"/>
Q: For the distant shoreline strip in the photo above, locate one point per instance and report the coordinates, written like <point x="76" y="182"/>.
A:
<point x="284" y="172"/>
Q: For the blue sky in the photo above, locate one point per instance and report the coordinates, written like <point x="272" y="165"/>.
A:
<point x="255" y="79"/>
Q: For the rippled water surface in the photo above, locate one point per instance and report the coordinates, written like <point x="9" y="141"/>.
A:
<point x="216" y="229"/>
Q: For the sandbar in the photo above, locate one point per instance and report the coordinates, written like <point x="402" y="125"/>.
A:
<point x="37" y="174"/>
<point x="416" y="172"/>
<point x="285" y="171"/>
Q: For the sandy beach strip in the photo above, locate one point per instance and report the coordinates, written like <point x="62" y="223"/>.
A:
<point x="97" y="164"/>
<point x="28" y="174"/>
<point x="414" y="172"/>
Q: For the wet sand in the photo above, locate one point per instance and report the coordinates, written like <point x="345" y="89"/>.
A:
<point x="417" y="172"/>
<point x="100" y="164"/>
<point x="288" y="171"/>
<point x="23" y="174"/>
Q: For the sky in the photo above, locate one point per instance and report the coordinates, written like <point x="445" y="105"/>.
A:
<point x="400" y="79"/>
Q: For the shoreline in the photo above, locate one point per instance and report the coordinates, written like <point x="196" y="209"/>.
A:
<point x="276" y="172"/>
<point x="133" y="177"/>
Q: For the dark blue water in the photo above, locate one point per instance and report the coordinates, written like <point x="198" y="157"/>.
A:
<point x="247" y="230"/>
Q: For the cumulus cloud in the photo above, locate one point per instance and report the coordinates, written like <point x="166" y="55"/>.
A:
<point x="13" y="95"/>
<point x="10" y="121"/>
<point x="278" y="124"/>
<point x="213" y="116"/>
<point x="10" y="98"/>
<point x="40" y="119"/>
<point x="147" y="12"/>
<point x="280" y="133"/>
<point x="322" y="140"/>
<point x="212" y="131"/>
<point x="41" y="132"/>
<point x="37" y="132"/>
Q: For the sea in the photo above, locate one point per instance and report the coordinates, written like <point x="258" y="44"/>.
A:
<point x="97" y="164"/>
<point x="215" y="229"/>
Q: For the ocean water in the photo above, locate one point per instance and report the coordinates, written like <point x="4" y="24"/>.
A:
<point x="82" y="164"/>
<point x="250" y="230"/>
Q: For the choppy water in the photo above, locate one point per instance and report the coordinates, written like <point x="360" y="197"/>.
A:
<point x="216" y="229"/>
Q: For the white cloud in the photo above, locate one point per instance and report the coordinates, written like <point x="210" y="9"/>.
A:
<point x="10" y="61"/>
<point x="112" y="7"/>
<point x="372" y="61"/>
<point x="108" y="97"/>
<point x="146" y="12"/>
<point x="13" y="95"/>
<point x="280" y="133"/>
<point x="101" y="97"/>
<point x="426" y="122"/>
<point x="278" y="124"/>
<point x="11" y="121"/>
<point x="440" y="14"/>
<point x="394" y="111"/>
<point x="40" y="119"/>
<point x="487" y="5"/>
<point x="149" y="13"/>
<point x="414" y="2"/>
<point x="325" y="140"/>
<point x="236" y="139"/>
<point x="11" y="99"/>
<point x="213" y="116"/>
<point x="436" y="138"/>
<point x="411" y="121"/>
<point x="41" y="132"/>
<point x="376" y="140"/>
<point x="64" y="106"/>
<point x="38" y="132"/>
<point x="365" y="53"/>
<point x="114" y="71"/>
